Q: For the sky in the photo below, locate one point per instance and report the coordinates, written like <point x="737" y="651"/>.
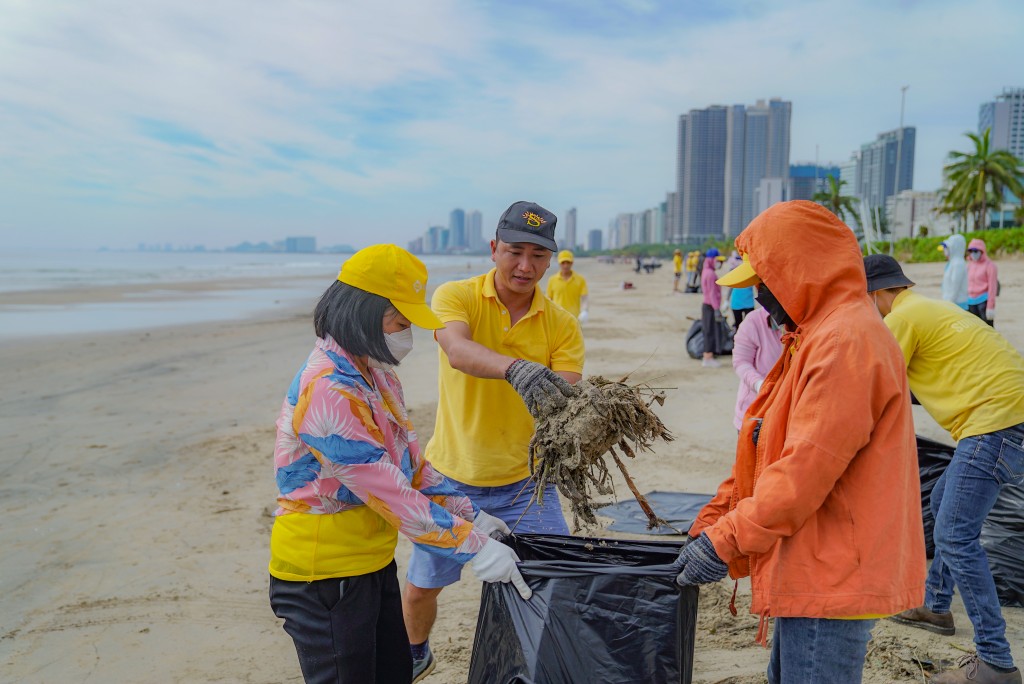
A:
<point x="216" y="122"/>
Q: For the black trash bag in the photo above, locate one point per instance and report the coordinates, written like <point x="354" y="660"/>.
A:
<point x="1002" y="537"/>
<point x="603" y="610"/>
<point x="695" y="339"/>
<point x="932" y="459"/>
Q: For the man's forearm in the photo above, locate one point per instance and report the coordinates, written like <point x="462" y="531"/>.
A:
<point x="472" y="358"/>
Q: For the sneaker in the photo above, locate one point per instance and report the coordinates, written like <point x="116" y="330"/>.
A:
<point x="423" y="666"/>
<point x="922" y="618"/>
<point x="710" y="363"/>
<point x="971" y="668"/>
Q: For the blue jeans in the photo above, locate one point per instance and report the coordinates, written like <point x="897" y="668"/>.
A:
<point x="961" y="500"/>
<point x="814" y="650"/>
<point x="430" y="571"/>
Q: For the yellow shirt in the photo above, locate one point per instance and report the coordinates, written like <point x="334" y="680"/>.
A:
<point x="567" y="293"/>
<point x="966" y="375"/>
<point x="306" y="547"/>
<point x="677" y="263"/>
<point x="483" y="430"/>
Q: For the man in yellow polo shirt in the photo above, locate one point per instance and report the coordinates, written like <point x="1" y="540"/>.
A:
<point x="503" y="350"/>
<point x="971" y="380"/>
<point x="567" y="288"/>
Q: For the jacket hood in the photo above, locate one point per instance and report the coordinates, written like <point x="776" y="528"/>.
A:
<point x="979" y="244"/>
<point x="709" y="263"/>
<point x="807" y="257"/>
<point x="956" y="246"/>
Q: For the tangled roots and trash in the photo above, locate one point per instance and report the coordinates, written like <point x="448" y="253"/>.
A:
<point x="571" y="441"/>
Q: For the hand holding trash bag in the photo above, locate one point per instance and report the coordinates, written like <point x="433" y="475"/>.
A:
<point x="537" y="384"/>
<point x="495" y="528"/>
<point x="497" y="563"/>
<point x="698" y="563"/>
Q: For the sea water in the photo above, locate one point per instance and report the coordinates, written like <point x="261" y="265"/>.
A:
<point x="266" y="281"/>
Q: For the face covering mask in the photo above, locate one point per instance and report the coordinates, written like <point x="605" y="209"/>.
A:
<point x="974" y="255"/>
<point x="766" y="299"/>
<point x="399" y="344"/>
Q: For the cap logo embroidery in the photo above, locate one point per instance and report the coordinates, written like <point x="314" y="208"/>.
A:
<point x="417" y="286"/>
<point x="533" y="220"/>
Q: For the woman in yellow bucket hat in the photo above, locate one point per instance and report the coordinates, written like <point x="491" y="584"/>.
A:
<point x="350" y="478"/>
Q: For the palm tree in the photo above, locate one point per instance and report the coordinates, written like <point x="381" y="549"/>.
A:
<point x="975" y="179"/>
<point x="835" y="201"/>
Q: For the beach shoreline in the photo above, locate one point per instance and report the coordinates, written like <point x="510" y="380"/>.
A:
<point x="137" y="484"/>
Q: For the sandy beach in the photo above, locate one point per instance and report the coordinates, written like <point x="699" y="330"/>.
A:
<point x="137" y="487"/>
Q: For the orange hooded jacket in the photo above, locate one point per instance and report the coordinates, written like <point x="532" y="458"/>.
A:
<point x="824" y="512"/>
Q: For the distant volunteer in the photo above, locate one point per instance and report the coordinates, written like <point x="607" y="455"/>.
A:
<point x="954" y="277"/>
<point x="350" y="477"/>
<point x="567" y="288"/>
<point x="982" y="282"/>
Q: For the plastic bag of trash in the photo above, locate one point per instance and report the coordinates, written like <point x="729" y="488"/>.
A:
<point x="603" y="610"/>
<point x="1002" y="535"/>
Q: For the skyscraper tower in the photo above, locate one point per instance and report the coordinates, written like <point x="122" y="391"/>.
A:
<point x="877" y="175"/>
<point x="570" y="231"/>
<point x="474" y="231"/>
<point x="722" y="155"/>
<point x="457" y="229"/>
<point x="1005" y="117"/>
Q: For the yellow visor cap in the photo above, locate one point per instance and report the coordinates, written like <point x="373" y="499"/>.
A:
<point x="741" y="276"/>
<point x="396" y="275"/>
<point x="942" y="247"/>
<point x="565" y="255"/>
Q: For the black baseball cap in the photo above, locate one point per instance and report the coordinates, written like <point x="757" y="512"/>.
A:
<point x="884" y="272"/>
<point x="528" y="222"/>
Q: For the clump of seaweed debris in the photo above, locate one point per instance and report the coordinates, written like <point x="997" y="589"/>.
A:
<point x="570" y="442"/>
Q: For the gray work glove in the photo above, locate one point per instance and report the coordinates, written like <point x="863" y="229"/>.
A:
<point x="538" y="384"/>
<point x="698" y="563"/>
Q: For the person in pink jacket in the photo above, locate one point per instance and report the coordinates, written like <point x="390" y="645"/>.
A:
<point x="982" y="282"/>
<point x="710" y="308"/>
<point x="755" y="349"/>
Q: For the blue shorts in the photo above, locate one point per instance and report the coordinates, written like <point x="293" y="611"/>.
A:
<point x="430" y="571"/>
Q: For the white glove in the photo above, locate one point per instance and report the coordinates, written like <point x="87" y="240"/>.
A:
<point x="990" y="314"/>
<point x="757" y="385"/>
<point x="491" y="526"/>
<point x="497" y="563"/>
<point x="582" y="318"/>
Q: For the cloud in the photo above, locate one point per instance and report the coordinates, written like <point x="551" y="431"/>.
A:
<point x="236" y="117"/>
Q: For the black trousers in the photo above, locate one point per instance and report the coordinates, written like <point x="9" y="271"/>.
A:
<point x="709" y="328"/>
<point x="979" y="311"/>
<point x="738" y="316"/>
<point x="346" y="630"/>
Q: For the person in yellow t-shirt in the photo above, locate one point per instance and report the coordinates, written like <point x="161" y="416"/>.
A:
<point x="677" y="269"/>
<point x="567" y="288"/>
<point x="505" y="349"/>
<point x="971" y="380"/>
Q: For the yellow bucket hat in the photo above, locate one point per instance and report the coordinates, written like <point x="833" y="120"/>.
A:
<point x="396" y="275"/>
<point x="741" y="276"/>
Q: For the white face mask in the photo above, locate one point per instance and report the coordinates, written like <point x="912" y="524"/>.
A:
<point x="399" y="344"/>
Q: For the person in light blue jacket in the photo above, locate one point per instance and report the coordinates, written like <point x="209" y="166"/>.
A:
<point x="954" y="279"/>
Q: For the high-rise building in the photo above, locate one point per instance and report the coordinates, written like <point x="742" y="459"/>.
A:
<point x="771" y="191"/>
<point x="877" y="176"/>
<point x="1005" y="116"/>
<point x="569" y="242"/>
<point x="700" y="179"/>
<point x="722" y="154"/>
<point x="623" y="230"/>
<point x="594" y="241"/>
<point x="811" y="178"/>
<point x="475" y="231"/>
<point x="432" y="240"/>
<point x="416" y="245"/>
<point x="457" y="229"/>
<point x="848" y="174"/>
